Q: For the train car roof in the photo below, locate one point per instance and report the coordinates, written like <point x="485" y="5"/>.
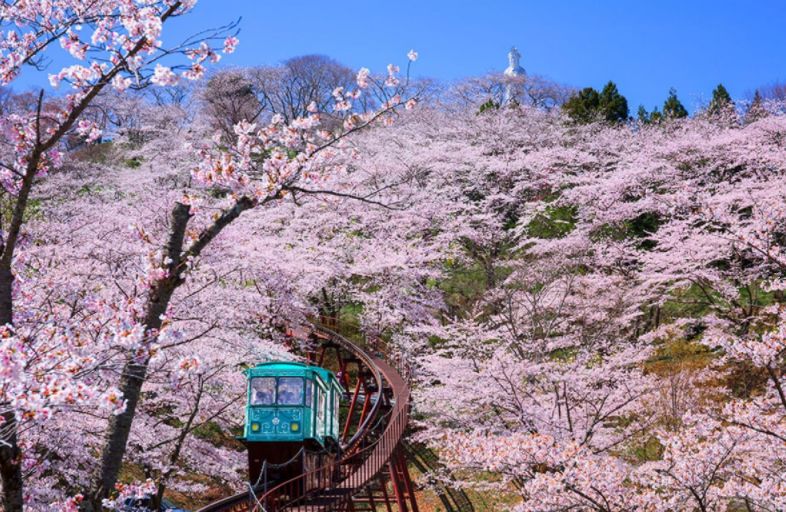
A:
<point x="288" y="366"/>
<point x="280" y="365"/>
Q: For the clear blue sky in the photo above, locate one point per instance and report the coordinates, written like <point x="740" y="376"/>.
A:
<point x="644" y="46"/>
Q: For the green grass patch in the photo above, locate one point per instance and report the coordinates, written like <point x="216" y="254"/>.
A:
<point x="555" y="222"/>
<point x="134" y="162"/>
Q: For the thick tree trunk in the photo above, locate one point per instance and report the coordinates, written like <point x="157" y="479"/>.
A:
<point x="175" y="456"/>
<point x="6" y="299"/>
<point x="135" y="370"/>
<point x="133" y="377"/>
<point x="10" y="465"/>
<point x="10" y="454"/>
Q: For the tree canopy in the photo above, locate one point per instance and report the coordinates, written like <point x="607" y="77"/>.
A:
<point x="589" y="105"/>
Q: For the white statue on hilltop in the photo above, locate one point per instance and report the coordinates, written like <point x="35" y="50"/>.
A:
<point x="514" y="68"/>
<point x="513" y="71"/>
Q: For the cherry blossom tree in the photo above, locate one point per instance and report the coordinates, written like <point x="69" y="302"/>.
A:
<point x="118" y="42"/>
<point x="594" y="314"/>
<point x="595" y="249"/>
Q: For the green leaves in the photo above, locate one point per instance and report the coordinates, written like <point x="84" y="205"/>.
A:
<point x="590" y="105"/>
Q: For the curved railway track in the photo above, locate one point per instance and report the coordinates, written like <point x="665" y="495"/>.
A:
<point x="371" y="471"/>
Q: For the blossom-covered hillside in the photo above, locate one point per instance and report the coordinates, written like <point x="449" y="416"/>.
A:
<point x="591" y="308"/>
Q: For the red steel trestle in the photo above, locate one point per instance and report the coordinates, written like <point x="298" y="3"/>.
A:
<point x="372" y="473"/>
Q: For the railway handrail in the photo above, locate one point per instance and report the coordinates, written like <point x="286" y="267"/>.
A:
<point x="324" y="494"/>
<point x="319" y="484"/>
<point x="296" y="490"/>
<point x="369" y="362"/>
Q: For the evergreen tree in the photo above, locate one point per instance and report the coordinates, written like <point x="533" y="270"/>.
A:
<point x="488" y="105"/>
<point x="642" y="115"/>
<point x="721" y="100"/>
<point x="645" y="117"/>
<point x="589" y="105"/>
<point x="656" y="115"/>
<point x="613" y="105"/>
<point x="672" y="107"/>
<point x="756" y="109"/>
<point x="583" y="107"/>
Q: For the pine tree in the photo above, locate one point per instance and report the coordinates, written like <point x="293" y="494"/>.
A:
<point x="756" y="109"/>
<point x="645" y="117"/>
<point x="642" y="115"/>
<point x="721" y="100"/>
<point x="613" y="105"/>
<point x="584" y="106"/>
<point x="589" y="105"/>
<point x="488" y="105"/>
<point x="673" y="107"/>
<point x="656" y="116"/>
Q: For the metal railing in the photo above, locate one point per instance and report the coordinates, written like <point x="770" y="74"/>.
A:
<point x="318" y="490"/>
<point x="376" y="374"/>
<point x="367" y="452"/>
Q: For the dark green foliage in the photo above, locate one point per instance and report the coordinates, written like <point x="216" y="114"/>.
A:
<point x="644" y="225"/>
<point x="465" y="284"/>
<point x="642" y="115"/>
<point x="489" y="105"/>
<point x="721" y="100"/>
<point x="584" y="106"/>
<point x="557" y="222"/>
<point x="212" y="433"/>
<point x="134" y="163"/>
<point x="589" y="105"/>
<point x="613" y="105"/>
<point x="640" y="227"/>
<point x="645" y="117"/>
<point x="672" y="107"/>
<point x="756" y="109"/>
<point x="89" y="189"/>
<point x="698" y="300"/>
<point x="648" y="450"/>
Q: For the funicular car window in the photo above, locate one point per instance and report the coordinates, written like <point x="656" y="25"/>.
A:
<point x="263" y="391"/>
<point x="320" y="404"/>
<point x="290" y="390"/>
<point x="336" y="403"/>
<point x="309" y="392"/>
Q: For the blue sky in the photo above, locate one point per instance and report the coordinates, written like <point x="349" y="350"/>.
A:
<point x="644" y="46"/>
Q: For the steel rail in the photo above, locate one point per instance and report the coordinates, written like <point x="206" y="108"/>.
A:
<point x="368" y="452"/>
<point x="368" y="360"/>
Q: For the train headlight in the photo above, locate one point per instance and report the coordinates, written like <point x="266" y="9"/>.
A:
<point x="254" y="426"/>
<point x="294" y="426"/>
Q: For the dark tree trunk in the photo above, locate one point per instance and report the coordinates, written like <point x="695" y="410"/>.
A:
<point x="181" y="439"/>
<point x="10" y="454"/>
<point x="135" y="370"/>
<point x="10" y="466"/>
<point x="6" y="299"/>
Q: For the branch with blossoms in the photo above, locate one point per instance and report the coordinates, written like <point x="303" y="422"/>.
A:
<point x="258" y="169"/>
<point x="115" y="41"/>
<point x="265" y="164"/>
